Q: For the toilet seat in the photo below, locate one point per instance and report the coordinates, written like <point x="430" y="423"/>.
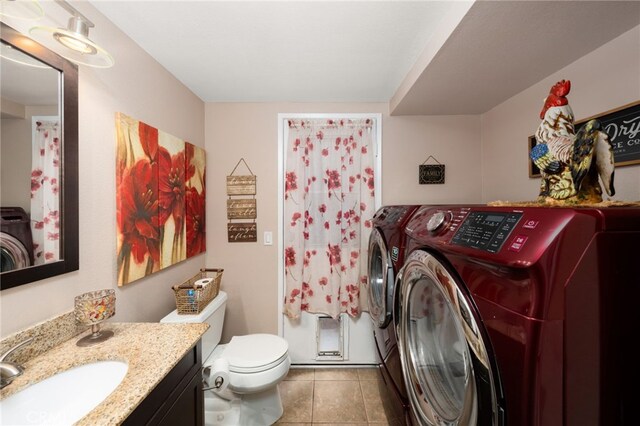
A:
<point x="256" y="362"/>
<point x="254" y="353"/>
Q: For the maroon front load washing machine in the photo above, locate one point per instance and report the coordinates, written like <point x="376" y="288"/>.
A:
<point x="386" y="256"/>
<point x="16" y="242"/>
<point x="520" y="315"/>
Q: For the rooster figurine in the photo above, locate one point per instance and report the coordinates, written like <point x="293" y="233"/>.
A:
<point x="571" y="162"/>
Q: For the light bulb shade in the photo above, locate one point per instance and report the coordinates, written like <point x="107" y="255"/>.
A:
<point x="21" y="9"/>
<point x="76" y="42"/>
<point x="94" y="307"/>
<point x="79" y="48"/>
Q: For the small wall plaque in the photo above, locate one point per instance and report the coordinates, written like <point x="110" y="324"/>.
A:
<point x="242" y="232"/>
<point x="431" y="173"/>
<point x="243" y="208"/>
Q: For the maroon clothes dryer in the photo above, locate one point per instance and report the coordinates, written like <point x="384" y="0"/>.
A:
<point x="520" y="316"/>
<point x="386" y="256"/>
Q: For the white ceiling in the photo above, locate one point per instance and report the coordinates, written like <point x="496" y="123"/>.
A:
<point x="423" y="57"/>
<point x="26" y="85"/>
<point x="238" y="51"/>
<point x="500" y="48"/>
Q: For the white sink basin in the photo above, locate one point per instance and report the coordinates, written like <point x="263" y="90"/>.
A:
<point x="64" y="398"/>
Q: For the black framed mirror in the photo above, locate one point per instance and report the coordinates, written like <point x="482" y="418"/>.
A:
<point x="39" y="90"/>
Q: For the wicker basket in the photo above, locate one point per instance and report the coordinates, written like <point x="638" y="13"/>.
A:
<point x="191" y="299"/>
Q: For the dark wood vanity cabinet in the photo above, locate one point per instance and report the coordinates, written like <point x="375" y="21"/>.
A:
<point x="178" y="399"/>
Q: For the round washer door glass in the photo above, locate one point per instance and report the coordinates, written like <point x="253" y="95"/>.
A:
<point x="13" y="254"/>
<point x="437" y="349"/>
<point x="378" y="272"/>
<point x="444" y="358"/>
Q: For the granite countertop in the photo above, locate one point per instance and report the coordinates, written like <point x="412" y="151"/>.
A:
<point x="151" y="350"/>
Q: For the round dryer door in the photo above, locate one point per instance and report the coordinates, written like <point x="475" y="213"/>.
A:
<point x="446" y="368"/>
<point x="13" y="254"/>
<point x="380" y="272"/>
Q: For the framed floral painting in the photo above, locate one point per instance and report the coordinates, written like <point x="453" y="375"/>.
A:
<point x="160" y="199"/>
<point x="195" y="201"/>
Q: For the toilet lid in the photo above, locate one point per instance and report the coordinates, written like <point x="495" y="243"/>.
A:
<point x="255" y="352"/>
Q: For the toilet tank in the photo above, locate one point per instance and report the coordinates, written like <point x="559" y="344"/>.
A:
<point x="212" y="314"/>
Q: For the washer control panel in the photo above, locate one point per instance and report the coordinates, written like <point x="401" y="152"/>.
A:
<point x="486" y="231"/>
<point x="437" y="221"/>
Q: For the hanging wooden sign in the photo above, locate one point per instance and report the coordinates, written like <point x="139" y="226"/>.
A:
<point x="243" y="208"/>
<point x="242" y="232"/>
<point x="431" y="173"/>
<point x="241" y="185"/>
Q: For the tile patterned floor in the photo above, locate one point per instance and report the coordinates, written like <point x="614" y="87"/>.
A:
<point x="335" y="396"/>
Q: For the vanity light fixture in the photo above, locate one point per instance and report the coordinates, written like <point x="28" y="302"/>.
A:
<point x="12" y="54"/>
<point x="21" y="9"/>
<point x="80" y="49"/>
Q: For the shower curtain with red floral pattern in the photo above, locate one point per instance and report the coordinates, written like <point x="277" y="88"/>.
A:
<point x="329" y="203"/>
<point x="45" y="190"/>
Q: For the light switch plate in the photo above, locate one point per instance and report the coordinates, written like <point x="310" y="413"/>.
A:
<point x="268" y="238"/>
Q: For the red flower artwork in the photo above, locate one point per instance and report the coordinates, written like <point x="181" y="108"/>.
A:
<point x="161" y="209"/>
<point x="148" y="140"/>
<point x="137" y="215"/>
<point x="196" y="223"/>
<point x="195" y="206"/>
<point x="189" y="167"/>
<point x="171" y="188"/>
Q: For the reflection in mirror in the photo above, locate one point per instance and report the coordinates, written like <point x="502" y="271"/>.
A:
<point x="30" y="164"/>
<point x="38" y="162"/>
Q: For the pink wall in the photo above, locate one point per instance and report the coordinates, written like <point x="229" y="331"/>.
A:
<point x="486" y="159"/>
<point x="250" y="130"/>
<point x="141" y="88"/>
<point x="606" y="78"/>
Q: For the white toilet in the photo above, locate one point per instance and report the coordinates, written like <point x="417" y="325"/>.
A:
<point x="242" y="375"/>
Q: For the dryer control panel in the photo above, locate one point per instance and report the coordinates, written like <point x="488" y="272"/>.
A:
<point x="486" y="230"/>
<point x="393" y="215"/>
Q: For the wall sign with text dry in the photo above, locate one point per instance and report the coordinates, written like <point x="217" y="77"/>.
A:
<point x="622" y="125"/>
<point x="241" y="208"/>
<point x="160" y="199"/>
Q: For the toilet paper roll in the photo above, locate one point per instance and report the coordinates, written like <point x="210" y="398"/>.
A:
<point x="219" y="374"/>
<point x="202" y="282"/>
